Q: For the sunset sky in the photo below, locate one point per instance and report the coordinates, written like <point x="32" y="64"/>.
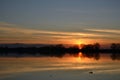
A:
<point x="59" y="21"/>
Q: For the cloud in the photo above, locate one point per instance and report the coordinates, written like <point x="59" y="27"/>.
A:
<point x="113" y="31"/>
<point x="11" y="32"/>
<point x="34" y="32"/>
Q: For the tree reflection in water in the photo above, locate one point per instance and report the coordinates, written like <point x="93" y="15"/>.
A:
<point x="115" y="56"/>
<point x="94" y="55"/>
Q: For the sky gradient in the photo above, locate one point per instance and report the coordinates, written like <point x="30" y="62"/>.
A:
<point x="60" y="21"/>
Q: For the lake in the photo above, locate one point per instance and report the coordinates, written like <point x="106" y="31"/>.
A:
<point x="79" y="66"/>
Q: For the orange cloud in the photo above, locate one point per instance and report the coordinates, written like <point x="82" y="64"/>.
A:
<point x="106" y="30"/>
<point x="14" y="33"/>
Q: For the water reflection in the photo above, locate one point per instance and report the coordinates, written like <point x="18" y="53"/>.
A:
<point x="80" y="55"/>
<point x="76" y="66"/>
<point x="115" y="56"/>
<point x="95" y="56"/>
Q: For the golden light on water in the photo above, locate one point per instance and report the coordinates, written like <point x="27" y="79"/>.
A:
<point x="80" y="56"/>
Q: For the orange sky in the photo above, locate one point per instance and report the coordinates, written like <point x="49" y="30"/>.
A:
<point x="60" y="22"/>
<point x="11" y="33"/>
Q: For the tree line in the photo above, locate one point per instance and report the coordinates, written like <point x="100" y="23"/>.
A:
<point x="114" y="47"/>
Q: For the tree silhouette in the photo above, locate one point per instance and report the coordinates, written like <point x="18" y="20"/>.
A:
<point x="113" y="46"/>
<point x="96" y="46"/>
<point x="91" y="47"/>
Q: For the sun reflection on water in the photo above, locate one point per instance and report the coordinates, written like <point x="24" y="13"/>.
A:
<point x="80" y="57"/>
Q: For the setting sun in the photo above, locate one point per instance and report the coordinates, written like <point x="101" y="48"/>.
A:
<point x="79" y="42"/>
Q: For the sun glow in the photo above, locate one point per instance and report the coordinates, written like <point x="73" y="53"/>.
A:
<point x="80" y="58"/>
<point x="79" y="42"/>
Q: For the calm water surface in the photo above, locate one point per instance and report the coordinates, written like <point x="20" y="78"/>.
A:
<point x="68" y="67"/>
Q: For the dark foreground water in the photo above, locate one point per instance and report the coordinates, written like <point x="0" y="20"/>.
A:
<point x="68" y="67"/>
